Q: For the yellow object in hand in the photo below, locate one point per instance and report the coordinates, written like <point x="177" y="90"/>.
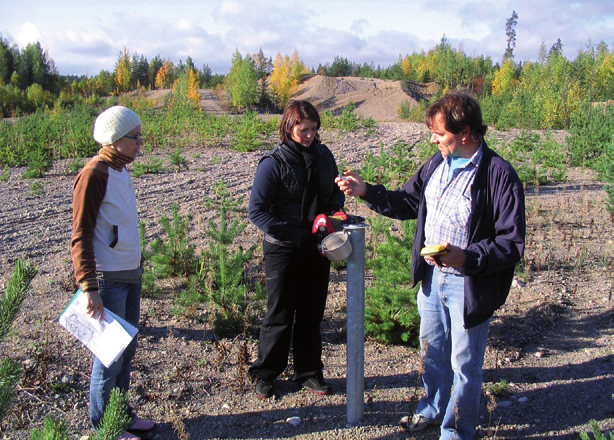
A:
<point x="435" y="249"/>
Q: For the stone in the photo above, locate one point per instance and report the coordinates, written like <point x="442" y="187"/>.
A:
<point x="66" y="379"/>
<point x="294" y="421"/>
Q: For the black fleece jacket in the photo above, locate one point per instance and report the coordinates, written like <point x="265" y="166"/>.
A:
<point x="277" y="193"/>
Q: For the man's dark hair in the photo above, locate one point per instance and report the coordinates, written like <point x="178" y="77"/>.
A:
<point x="459" y="110"/>
<point x="294" y="113"/>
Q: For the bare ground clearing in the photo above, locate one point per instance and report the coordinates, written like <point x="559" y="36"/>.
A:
<point x="553" y="340"/>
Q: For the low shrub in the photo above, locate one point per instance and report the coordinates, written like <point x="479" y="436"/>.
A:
<point x="174" y="255"/>
<point x="391" y="311"/>
<point x="391" y="167"/>
<point x="591" y="131"/>
<point x="220" y="279"/>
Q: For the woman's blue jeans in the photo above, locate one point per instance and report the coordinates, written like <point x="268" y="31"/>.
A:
<point x="453" y="356"/>
<point x="123" y="299"/>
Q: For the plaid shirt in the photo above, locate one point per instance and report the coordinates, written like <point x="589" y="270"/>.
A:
<point x="448" y="205"/>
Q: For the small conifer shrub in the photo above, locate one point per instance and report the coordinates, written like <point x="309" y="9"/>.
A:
<point x="391" y="312"/>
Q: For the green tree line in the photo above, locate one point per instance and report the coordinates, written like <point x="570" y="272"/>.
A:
<point x="540" y="94"/>
<point x="29" y="80"/>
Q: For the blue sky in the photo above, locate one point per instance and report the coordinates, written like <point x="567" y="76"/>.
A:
<point x="84" y="36"/>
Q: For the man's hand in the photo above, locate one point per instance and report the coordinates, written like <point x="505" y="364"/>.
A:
<point x="94" y="304"/>
<point x="351" y="184"/>
<point x="454" y="258"/>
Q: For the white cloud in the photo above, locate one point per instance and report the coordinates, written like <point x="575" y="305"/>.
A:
<point x="28" y="33"/>
<point x="184" y="25"/>
<point x="77" y="33"/>
<point x="230" y="9"/>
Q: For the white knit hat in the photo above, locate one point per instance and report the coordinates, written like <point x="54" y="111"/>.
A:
<point x="114" y="123"/>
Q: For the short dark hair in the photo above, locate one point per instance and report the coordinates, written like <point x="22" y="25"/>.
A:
<point x="295" y="112"/>
<point x="459" y="110"/>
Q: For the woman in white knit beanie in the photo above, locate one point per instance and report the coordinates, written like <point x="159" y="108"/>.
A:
<point x="106" y="251"/>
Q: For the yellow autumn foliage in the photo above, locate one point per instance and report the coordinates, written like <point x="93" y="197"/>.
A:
<point x="286" y="74"/>
<point x="504" y="80"/>
<point x="123" y="73"/>
<point x="164" y="78"/>
<point x="407" y="68"/>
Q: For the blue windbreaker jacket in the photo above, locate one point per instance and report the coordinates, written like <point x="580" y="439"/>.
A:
<point x="496" y="233"/>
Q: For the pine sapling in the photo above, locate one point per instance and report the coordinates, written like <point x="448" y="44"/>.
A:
<point x="391" y="313"/>
<point x="227" y="288"/>
<point x="178" y="160"/>
<point x="52" y="430"/>
<point x="175" y="256"/>
<point x="597" y="434"/>
<point x="220" y="277"/>
<point x="115" y="419"/>
<point x="149" y="276"/>
<point x="10" y="304"/>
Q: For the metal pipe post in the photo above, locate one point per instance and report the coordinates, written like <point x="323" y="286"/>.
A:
<point x="356" y="323"/>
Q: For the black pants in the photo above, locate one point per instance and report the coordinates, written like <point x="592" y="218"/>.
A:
<point x="297" y="286"/>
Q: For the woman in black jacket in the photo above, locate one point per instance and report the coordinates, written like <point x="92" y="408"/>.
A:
<point x="294" y="183"/>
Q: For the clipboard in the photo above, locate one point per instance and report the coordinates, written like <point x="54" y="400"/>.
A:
<point x="106" y="339"/>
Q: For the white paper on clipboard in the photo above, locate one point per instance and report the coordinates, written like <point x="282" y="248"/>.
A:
<point x="106" y="339"/>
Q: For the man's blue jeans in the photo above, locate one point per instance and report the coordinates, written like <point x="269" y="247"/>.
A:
<point x="123" y="299"/>
<point x="453" y="356"/>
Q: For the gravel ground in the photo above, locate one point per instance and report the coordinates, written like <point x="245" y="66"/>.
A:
<point x="553" y="340"/>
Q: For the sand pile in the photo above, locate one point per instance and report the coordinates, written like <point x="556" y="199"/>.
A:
<point x="376" y="98"/>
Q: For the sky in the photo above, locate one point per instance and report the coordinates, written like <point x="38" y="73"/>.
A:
<point x="84" y="37"/>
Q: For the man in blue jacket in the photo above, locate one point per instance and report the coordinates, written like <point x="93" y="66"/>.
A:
<point x="471" y="201"/>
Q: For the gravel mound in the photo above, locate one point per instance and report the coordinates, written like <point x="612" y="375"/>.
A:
<point x="375" y="98"/>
